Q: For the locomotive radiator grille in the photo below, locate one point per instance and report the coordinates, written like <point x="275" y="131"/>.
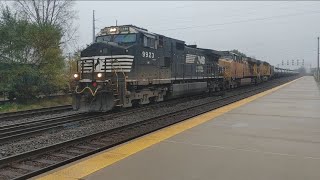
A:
<point x="118" y="63"/>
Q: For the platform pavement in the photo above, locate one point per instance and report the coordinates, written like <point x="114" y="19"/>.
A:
<point x="275" y="137"/>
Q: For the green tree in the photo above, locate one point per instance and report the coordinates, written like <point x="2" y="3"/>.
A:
<point x="31" y="60"/>
<point x="14" y="41"/>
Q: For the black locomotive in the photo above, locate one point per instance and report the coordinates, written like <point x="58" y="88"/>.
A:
<point x="128" y="65"/>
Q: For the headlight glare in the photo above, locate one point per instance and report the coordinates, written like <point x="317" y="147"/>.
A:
<point x="76" y="76"/>
<point x="99" y="75"/>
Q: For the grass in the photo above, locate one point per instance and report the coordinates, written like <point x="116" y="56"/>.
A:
<point x="35" y="104"/>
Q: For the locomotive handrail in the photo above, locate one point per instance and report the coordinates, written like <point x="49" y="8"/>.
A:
<point x="115" y="72"/>
<point x="93" y="68"/>
<point x="92" y="93"/>
<point x="124" y="75"/>
<point x="105" y="67"/>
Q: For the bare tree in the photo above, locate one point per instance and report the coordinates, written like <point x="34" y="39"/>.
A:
<point x="53" y="12"/>
<point x="58" y="13"/>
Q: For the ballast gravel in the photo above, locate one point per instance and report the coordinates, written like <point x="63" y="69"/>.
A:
<point x="84" y="128"/>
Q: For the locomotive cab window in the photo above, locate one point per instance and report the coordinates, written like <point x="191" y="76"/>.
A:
<point x="118" y="38"/>
<point x="149" y="41"/>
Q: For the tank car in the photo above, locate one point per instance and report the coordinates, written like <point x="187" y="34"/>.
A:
<point x="280" y="72"/>
<point x="128" y="65"/>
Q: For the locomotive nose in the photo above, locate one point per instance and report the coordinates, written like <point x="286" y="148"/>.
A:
<point x="103" y="49"/>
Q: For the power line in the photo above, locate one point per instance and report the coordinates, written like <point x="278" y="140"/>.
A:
<point x="184" y="19"/>
<point x="242" y="21"/>
<point x="165" y="19"/>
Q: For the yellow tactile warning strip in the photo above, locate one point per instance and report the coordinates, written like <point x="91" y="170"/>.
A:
<point x="96" y="162"/>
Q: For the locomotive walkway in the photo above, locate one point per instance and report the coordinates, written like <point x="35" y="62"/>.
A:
<point x="272" y="135"/>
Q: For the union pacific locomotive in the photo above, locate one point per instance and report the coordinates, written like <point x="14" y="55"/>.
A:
<point x="128" y="65"/>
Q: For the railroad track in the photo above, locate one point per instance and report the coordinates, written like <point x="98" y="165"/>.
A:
<point x="37" y="112"/>
<point x="32" y="163"/>
<point x="14" y="132"/>
<point x="33" y="112"/>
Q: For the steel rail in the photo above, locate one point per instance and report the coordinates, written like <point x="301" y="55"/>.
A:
<point x="32" y="112"/>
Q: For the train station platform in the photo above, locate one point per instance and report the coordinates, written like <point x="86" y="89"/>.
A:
<point x="273" y="135"/>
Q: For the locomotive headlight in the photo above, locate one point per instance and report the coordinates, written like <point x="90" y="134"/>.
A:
<point x="112" y="29"/>
<point x="76" y="76"/>
<point x="99" y="75"/>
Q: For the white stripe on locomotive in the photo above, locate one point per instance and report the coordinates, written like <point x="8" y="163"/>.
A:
<point x="120" y="63"/>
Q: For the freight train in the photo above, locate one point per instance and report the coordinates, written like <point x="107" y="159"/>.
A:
<point x="128" y="65"/>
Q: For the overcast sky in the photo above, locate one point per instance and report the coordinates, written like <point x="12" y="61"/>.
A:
<point x="270" y="31"/>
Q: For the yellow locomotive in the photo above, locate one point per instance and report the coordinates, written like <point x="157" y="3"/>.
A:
<point x="240" y="70"/>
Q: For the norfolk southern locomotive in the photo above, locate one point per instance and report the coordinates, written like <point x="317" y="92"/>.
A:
<point x="128" y="65"/>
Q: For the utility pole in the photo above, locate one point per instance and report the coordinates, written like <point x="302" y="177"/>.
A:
<point x="93" y="28"/>
<point x="70" y="64"/>
<point x="318" y="61"/>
